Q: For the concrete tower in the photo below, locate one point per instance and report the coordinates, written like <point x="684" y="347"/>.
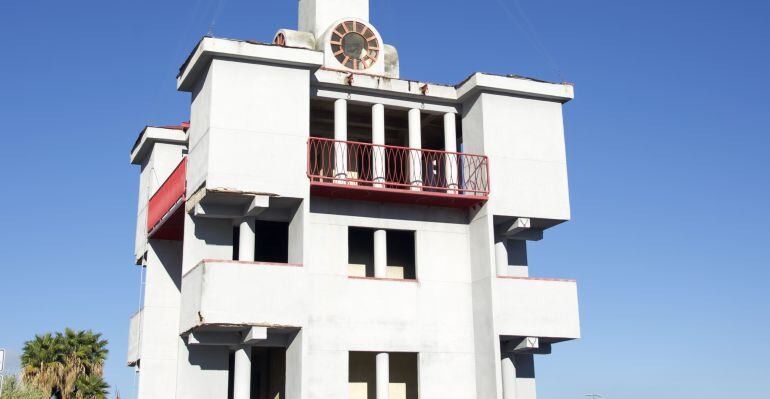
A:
<point x="324" y="229"/>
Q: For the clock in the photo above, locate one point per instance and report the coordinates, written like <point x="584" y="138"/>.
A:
<point x="355" y="45"/>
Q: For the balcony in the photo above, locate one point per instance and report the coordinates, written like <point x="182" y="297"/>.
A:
<point x="363" y="171"/>
<point x="233" y="293"/>
<point x="134" y="338"/>
<point x="536" y="307"/>
<point x="165" y="215"/>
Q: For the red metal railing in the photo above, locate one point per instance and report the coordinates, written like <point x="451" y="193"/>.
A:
<point x="397" y="168"/>
<point x="169" y="194"/>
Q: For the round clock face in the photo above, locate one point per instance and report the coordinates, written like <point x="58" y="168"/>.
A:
<point x="355" y="45"/>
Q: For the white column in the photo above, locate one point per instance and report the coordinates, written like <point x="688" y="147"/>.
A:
<point x="378" y="138"/>
<point x="501" y="256"/>
<point x="415" y="141"/>
<point x="383" y="376"/>
<point x="508" y="374"/>
<point x="340" y="133"/>
<point x="247" y="240"/>
<point x="452" y="161"/>
<point x="380" y="254"/>
<point x="242" y="373"/>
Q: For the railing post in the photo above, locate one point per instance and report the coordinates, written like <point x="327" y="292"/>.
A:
<point x="378" y="139"/>
<point x="415" y="142"/>
<point x="450" y="146"/>
<point x="340" y="146"/>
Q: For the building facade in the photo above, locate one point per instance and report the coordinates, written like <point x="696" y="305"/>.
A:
<point x="322" y="228"/>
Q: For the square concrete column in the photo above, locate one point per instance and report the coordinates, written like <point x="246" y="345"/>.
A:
<point x="383" y="376"/>
<point x="415" y="141"/>
<point x="242" y="373"/>
<point x="378" y="139"/>
<point x="380" y="254"/>
<point x="451" y="161"/>
<point x="508" y="375"/>
<point x="340" y="134"/>
<point x="247" y="241"/>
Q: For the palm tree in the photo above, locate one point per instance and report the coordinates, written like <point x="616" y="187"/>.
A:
<point x="60" y="364"/>
<point x="91" y="387"/>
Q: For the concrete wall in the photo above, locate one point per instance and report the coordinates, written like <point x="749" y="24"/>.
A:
<point x="524" y="140"/>
<point x="249" y="129"/>
<point x="536" y="308"/>
<point x="244" y="294"/>
<point x="160" y="320"/>
<point x="202" y="371"/>
<point x="155" y="169"/>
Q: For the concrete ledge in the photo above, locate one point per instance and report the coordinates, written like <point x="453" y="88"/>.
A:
<point x="243" y="293"/>
<point x="479" y="82"/>
<point x="536" y="307"/>
<point x="151" y="135"/>
<point x="210" y="47"/>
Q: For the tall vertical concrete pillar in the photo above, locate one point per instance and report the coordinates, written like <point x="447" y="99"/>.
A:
<point x="242" y="373"/>
<point x="501" y="256"/>
<point x="378" y="139"/>
<point x="341" y="134"/>
<point x="383" y="376"/>
<point x="380" y="254"/>
<point x="451" y="161"/>
<point x="415" y="141"/>
<point x="508" y="374"/>
<point x="247" y="240"/>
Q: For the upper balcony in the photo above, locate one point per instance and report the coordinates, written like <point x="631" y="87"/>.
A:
<point x="165" y="214"/>
<point x="363" y="171"/>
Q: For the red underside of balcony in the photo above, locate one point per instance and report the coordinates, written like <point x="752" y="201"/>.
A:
<point x="402" y="196"/>
<point x="165" y="214"/>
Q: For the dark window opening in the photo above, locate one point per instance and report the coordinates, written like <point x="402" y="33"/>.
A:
<point x="272" y="242"/>
<point x="268" y="373"/>
<point x="400" y="253"/>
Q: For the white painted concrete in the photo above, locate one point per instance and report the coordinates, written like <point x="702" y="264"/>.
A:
<point x="378" y="138"/>
<point x="242" y="373"/>
<point x="250" y="122"/>
<point x="317" y="16"/>
<point x="508" y="375"/>
<point x="341" y="134"/>
<point x="246" y="240"/>
<point x="451" y="163"/>
<point x="383" y="376"/>
<point x="380" y="253"/>
<point x="415" y="141"/>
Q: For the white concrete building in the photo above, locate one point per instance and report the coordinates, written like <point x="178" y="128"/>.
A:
<point x="324" y="229"/>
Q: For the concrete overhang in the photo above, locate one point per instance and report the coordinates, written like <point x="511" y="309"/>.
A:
<point x="210" y="47"/>
<point x="515" y="85"/>
<point x="151" y="135"/>
<point x="363" y="82"/>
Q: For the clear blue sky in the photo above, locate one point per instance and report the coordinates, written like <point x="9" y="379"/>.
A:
<point x="668" y="145"/>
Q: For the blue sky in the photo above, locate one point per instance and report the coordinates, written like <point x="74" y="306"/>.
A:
<point x="668" y="148"/>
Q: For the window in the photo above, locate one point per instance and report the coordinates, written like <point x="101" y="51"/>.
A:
<point x="362" y="375"/>
<point x="272" y="242"/>
<point x="400" y="253"/>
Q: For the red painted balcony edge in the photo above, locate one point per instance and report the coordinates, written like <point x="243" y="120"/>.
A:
<point x="166" y="202"/>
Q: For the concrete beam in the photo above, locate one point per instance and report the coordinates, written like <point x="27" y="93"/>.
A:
<point x="527" y="345"/>
<point x="519" y="229"/>
<point x="217" y="211"/>
<point x="255" y="335"/>
<point x="214" y="338"/>
<point x="258" y="204"/>
<point x="252" y="336"/>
